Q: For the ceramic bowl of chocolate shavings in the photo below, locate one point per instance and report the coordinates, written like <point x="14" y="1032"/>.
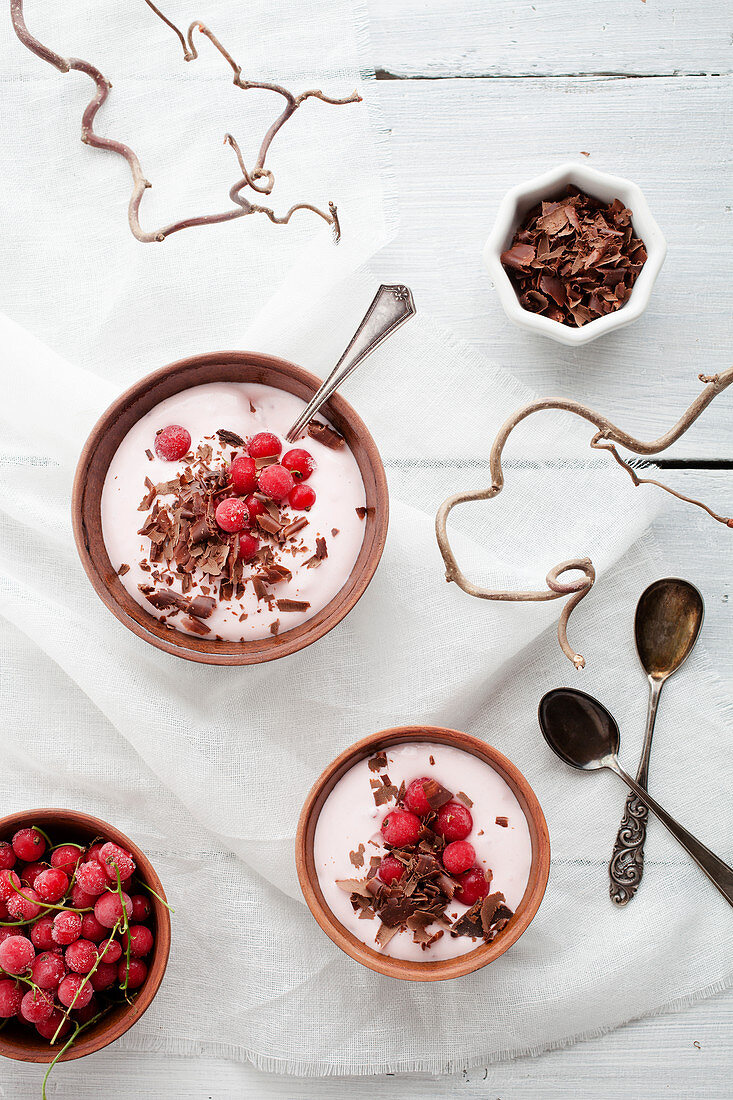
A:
<point x="574" y="254"/>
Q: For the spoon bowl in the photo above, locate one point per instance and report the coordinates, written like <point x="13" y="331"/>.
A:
<point x="668" y="620"/>
<point x="579" y="729"/>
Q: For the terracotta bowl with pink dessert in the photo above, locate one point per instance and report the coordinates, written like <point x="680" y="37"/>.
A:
<point x="210" y="536"/>
<point x="423" y="853"/>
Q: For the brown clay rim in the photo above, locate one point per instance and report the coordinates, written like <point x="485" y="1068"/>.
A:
<point x="26" y="1045"/>
<point x="113" y="425"/>
<point x="405" y="969"/>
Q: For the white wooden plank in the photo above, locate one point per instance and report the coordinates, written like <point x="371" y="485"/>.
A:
<point x="458" y="145"/>
<point x="520" y="38"/>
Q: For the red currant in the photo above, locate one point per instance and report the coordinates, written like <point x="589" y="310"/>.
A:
<point x="390" y="870"/>
<point x="55" y="1022"/>
<point x="24" y="906"/>
<point x="83" y="1015"/>
<point x="80" y="899"/>
<point x="16" y="955"/>
<point x="141" y="908"/>
<point x="415" y="799"/>
<point x="28" y="845"/>
<point x="172" y="443"/>
<point x="93" y="853"/>
<point x="11" y="998"/>
<point x="6" y="933"/>
<point x="66" y="928"/>
<point x="48" y="970"/>
<point x="91" y="878"/>
<point x="454" y="821"/>
<point x="400" y="827"/>
<point x="104" y="976"/>
<point x="51" y="885"/>
<point x="264" y="445"/>
<point x="231" y="515"/>
<point x="81" y="956"/>
<point x="7" y="856"/>
<point x="66" y="858"/>
<point x="37" y="1006"/>
<point x="276" y="482"/>
<point x="76" y="990"/>
<point x="255" y="507"/>
<point x="91" y="929"/>
<point x="41" y="934"/>
<point x="8" y="880"/>
<point x="108" y="909"/>
<point x="302" y="498"/>
<point x="243" y="474"/>
<point x="299" y="462"/>
<point x="30" y="873"/>
<point x="472" y="886"/>
<point x="110" y="951"/>
<point x="136" y="974"/>
<point x="248" y="546"/>
<point x="458" y="857"/>
<point x="115" y="859"/>
<point x="141" y="940"/>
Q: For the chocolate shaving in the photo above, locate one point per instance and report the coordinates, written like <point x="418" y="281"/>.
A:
<point x="361" y="512"/>
<point x="293" y="528"/>
<point x="124" y="568"/>
<point x="575" y="259"/>
<point x="376" y="763"/>
<point x="334" y="532"/>
<point x="268" y="524"/>
<point x="201" y="607"/>
<point x="462" y="797"/>
<point x="503" y="821"/>
<point x="195" y="626"/>
<point x="292" y="605"/>
<point x="149" y="453"/>
<point x="230" y="438"/>
<point x="163" y="600"/>
<point x="261" y="590"/>
<point x="321" y="548"/>
<point x="275" y="627"/>
<point x="436" y="794"/>
<point x="385" y="934"/>
<point x="323" y="434"/>
<point x="357" y="857"/>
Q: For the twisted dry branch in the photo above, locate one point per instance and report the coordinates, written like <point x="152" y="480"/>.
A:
<point x="260" y="179"/>
<point x="607" y="438"/>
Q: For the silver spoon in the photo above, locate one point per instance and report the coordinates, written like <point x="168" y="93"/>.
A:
<point x="583" y="734"/>
<point x="392" y="306"/>
<point x="669" y="615"/>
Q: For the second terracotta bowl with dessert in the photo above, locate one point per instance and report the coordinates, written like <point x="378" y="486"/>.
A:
<point x="21" y="1041"/>
<point x="281" y="389"/>
<point x="391" y="900"/>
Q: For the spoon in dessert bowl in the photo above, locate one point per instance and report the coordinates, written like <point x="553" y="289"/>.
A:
<point x="667" y="624"/>
<point x="586" y="736"/>
<point x="392" y="306"/>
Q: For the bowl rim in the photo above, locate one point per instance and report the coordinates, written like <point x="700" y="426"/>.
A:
<point x="407" y="969"/>
<point x="586" y="178"/>
<point x="106" y="1031"/>
<point x="98" y="567"/>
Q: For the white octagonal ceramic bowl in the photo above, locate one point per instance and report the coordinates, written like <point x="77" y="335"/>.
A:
<point x="601" y="185"/>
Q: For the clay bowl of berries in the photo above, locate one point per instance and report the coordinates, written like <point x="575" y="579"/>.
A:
<point x="206" y="532"/>
<point x="423" y="853"/>
<point x="67" y="964"/>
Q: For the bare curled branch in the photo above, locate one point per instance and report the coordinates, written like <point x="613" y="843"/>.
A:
<point x="606" y="438"/>
<point x="260" y="179"/>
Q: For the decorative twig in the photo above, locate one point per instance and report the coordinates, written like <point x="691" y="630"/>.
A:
<point x="260" y="179"/>
<point x="606" y="439"/>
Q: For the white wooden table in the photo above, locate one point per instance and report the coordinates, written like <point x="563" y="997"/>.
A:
<point x="479" y="94"/>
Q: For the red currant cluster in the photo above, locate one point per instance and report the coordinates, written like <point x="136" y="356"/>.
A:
<point x="279" y="481"/>
<point x="453" y="822"/>
<point x="70" y="928"/>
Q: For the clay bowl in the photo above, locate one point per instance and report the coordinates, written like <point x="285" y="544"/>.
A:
<point x="25" y="1044"/>
<point x="408" y="970"/>
<point x="234" y="366"/>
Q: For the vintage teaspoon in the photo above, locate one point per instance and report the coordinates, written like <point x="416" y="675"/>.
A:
<point x="669" y="615"/>
<point x="583" y="734"/>
<point x="392" y="306"/>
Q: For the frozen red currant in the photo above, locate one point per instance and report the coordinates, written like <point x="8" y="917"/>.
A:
<point x="30" y="873"/>
<point x="141" y="908"/>
<point x="83" y="1015"/>
<point x="91" y="929"/>
<point x="400" y="827"/>
<point x="28" y="845"/>
<point x="94" y="851"/>
<point x="41" y="934"/>
<point x="299" y="462"/>
<point x="48" y="970"/>
<point x="56" y="1022"/>
<point x="24" y="906"/>
<point x="11" y="998"/>
<point x="76" y="990"/>
<point x="390" y="870"/>
<point x="248" y="546"/>
<point x="302" y="498"/>
<point x="141" y="940"/>
<point x="108" y="909"/>
<point x="81" y="956"/>
<point x="172" y="443"/>
<point x="472" y="886"/>
<point x="243" y="474"/>
<point x="264" y="445"/>
<point x="454" y="821"/>
<point x="232" y="515"/>
<point x="110" y="951"/>
<point x="114" y="860"/>
<point x="255" y="507"/>
<point x="80" y="899"/>
<point x="415" y="799"/>
<point x="7" y="856"/>
<point x="52" y="884"/>
<point x="37" y="1006"/>
<point x="9" y="883"/>
<point x="91" y="878"/>
<point x="66" y="928"/>
<point x="458" y="856"/>
<point x="66" y="858"/>
<point x="276" y="482"/>
<point x="16" y="955"/>
<point x="104" y="976"/>
<point x="136" y="973"/>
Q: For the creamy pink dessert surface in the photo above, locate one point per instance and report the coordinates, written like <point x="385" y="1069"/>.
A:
<point x="319" y="555"/>
<point x="349" y="840"/>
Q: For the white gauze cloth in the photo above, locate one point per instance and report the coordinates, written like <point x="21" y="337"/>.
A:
<point x="207" y="767"/>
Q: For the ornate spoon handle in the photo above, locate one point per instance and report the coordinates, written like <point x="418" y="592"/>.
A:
<point x="627" y="862"/>
<point x="392" y="306"/>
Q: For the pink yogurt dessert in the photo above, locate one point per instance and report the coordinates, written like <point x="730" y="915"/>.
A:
<point x="220" y="527"/>
<point x="422" y="852"/>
